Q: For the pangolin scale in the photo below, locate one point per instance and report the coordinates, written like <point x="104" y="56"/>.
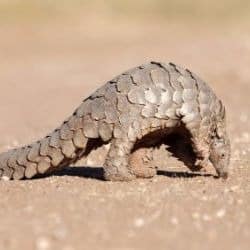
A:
<point x="141" y="101"/>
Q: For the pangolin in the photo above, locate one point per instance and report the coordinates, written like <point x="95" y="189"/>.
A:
<point x="148" y="101"/>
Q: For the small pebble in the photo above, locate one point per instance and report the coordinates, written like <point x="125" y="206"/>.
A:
<point x="206" y="217"/>
<point x="174" y="221"/>
<point x="221" y="213"/>
<point x="204" y="198"/>
<point x="5" y="178"/>
<point x="42" y="243"/>
<point x="139" y="222"/>
<point x="234" y="188"/>
<point x="196" y="215"/>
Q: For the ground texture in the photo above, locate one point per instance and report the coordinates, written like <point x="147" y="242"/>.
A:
<point x="47" y="69"/>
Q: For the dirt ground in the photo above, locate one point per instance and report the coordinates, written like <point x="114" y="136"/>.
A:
<point x="46" y="69"/>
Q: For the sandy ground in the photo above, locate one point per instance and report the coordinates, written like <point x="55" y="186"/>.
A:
<point x="47" y="69"/>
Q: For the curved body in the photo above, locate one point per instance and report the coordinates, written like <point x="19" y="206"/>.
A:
<point x="145" y="99"/>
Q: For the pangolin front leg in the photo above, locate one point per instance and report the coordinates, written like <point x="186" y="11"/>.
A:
<point x="143" y="104"/>
<point x="117" y="162"/>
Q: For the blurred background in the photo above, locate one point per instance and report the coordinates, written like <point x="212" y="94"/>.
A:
<point x="54" y="53"/>
<point x="50" y="48"/>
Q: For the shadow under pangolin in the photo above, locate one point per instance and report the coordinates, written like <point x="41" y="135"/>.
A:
<point x="177" y="141"/>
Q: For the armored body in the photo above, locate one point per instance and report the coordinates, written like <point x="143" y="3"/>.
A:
<point x="146" y="102"/>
